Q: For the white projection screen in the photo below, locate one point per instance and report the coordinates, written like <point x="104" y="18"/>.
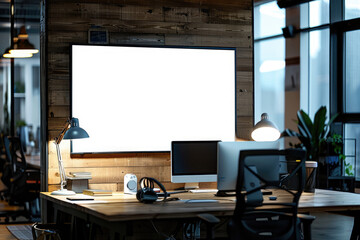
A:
<point x="139" y="99"/>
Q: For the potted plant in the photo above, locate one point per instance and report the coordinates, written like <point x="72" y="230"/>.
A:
<point x="313" y="136"/>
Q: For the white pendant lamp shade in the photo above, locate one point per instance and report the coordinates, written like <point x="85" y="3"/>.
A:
<point x="265" y="130"/>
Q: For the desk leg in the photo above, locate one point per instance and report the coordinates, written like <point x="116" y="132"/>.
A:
<point x="73" y="228"/>
<point x="356" y="228"/>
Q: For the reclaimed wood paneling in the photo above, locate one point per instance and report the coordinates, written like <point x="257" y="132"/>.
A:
<point x="212" y="23"/>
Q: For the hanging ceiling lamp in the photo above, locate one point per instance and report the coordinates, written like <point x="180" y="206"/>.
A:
<point x="22" y="45"/>
<point x="22" y="48"/>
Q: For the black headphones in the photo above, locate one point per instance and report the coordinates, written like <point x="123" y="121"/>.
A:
<point x="146" y="193"/>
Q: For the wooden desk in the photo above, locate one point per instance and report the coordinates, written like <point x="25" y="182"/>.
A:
<point x="121" y="208"/>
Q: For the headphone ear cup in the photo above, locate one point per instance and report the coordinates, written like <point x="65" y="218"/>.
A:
<point x="139" y="194"/>
<point x="146" y="195"/>
<point x="161" y="187"/>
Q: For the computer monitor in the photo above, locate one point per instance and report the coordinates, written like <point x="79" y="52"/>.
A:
<point x="193" y="162"/>
<point x="228" y="161"/>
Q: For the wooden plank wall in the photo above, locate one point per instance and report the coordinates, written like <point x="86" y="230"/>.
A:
<point x="225" y="23"/>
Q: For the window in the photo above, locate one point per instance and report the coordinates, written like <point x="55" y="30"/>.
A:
<point x="318" y="70"/>
<point x="269" y="68"/>
<point x="351" y="144"/>
<point x="26" y="93"/>
<point x="269" y="19"/>
<point x="345" y="55"/>
<point x="352" y="71"/>
<point x="352" y="9"/>
<point x="318" y="12"/>
<point x="269" y="80"/>
<point x="329" y="56"/>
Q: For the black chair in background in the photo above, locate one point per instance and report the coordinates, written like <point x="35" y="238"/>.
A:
<point x="23" y="184"/>
<point x="23" y="134"/>
<point x="258" y="219"/>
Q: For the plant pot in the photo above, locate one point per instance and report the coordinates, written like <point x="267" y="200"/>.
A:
<point x="310" y="183"/>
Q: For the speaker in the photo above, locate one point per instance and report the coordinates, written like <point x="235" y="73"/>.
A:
<point x="146" y="193"/>
<point x="289" y="31"/>
<point x="130" y="184"/>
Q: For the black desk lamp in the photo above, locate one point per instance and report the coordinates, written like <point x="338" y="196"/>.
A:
<point x="74" y="132"/>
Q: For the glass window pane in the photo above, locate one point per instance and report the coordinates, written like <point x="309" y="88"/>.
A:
<point x="352" y="9"/>
<point x="319" y="12"/>
<point x="304" y="15"/>
<point x="351" y="149"/>
<point x="27" y="98"/>
<point x="5" y="96"/>
<point x="352" y="71"/>
<point x="319" y="70"/>
<point x="269" y="19"/>
<point x="270" y="80"/>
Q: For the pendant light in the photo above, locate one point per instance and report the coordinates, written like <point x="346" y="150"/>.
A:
<point x="23" y="46"/>
<point x="265" y="130"/>
<point x="20" y="45"/>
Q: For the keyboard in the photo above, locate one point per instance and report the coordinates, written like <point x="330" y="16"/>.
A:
<point x="203" y="191"/>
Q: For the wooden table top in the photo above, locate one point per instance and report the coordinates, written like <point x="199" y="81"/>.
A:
<point x="122" y="207"/>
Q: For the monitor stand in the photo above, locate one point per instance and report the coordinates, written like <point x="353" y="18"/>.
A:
<point x="193" y="185"/>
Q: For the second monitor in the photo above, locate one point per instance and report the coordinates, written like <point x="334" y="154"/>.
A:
<point x="228" y="161"/>
<point x="193" y="162"/>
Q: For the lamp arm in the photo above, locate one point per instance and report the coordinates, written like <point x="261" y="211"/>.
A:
<point x="59" y="138"/>
<point x="61" y="167"/>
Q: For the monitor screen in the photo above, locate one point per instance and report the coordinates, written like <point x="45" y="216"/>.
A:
<point x="139" y="99"/>
<point x="193" y="161"/>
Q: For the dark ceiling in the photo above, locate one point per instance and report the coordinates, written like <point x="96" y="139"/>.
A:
<point x="27" y="12"/>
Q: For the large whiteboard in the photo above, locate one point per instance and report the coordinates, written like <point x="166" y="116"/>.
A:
<point x="139" y="99"/>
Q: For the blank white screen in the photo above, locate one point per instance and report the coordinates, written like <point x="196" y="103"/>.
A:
<point x="139" y="99"/>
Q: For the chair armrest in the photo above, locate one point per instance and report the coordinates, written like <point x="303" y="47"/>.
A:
<point x="306" y="221"/>
<point x="306" y="217"/>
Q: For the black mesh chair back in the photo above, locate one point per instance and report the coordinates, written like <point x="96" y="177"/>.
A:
<point x="256" y="216"/>
<point x="17" y="153"/>
<point x="7" y="169"/>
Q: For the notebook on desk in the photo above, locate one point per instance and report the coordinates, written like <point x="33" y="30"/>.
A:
<point x="97" y="192"/>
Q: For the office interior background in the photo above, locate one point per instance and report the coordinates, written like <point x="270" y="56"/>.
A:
<point x="316" y="66"/>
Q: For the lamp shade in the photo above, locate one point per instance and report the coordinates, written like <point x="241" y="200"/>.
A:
<point x="9" y="54"/>
<point x="265" y="130"/>
<point x="75" y="132"/>
<point x="24" y="46"/>
<point x="21" y="47"/>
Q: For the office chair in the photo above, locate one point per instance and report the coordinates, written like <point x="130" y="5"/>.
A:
<point x="250" y="220"/>
<point x="23" y="184"/>
<point x="257" y="217"/>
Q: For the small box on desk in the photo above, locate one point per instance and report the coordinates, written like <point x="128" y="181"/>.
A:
<point x="78" y="184"/>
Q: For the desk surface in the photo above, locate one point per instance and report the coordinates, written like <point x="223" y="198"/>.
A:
<point x="122" y="207"/>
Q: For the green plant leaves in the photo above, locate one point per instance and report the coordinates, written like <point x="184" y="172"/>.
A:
<point x="304" y="123"/>
<point x="319" y="123"/>
<point x="312" y="135"/>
